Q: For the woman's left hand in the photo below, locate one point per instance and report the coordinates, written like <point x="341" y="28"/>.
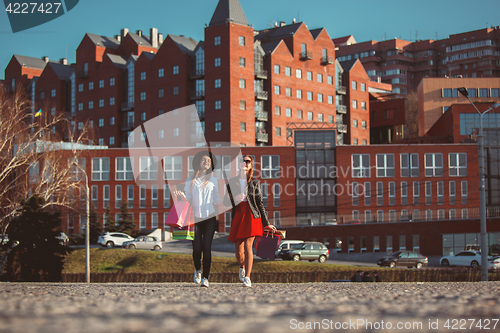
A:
<point x="272" y="228"/>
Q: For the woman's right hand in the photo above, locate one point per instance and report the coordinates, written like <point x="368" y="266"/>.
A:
<point x="239" y="198"/>
<point x="177" y="193"/>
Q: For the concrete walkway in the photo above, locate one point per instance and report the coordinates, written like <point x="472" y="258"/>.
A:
<point x="274" y="308"/>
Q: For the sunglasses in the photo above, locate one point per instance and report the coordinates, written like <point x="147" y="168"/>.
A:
<point x="247" y="161"/>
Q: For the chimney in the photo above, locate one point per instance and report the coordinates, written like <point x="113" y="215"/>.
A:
<point x="63" y="61"/>
<point x="275" y="24"/>
<point x="153" y="36"/>
<point x="282" y="23"/>
<point x="160" y="39"/>
<point x="294" y="21"/>
<point x="124" y="33"/>
<point x="118" y="38"/>
<point x="139" y="33"/>
<point x="46" y="59"/>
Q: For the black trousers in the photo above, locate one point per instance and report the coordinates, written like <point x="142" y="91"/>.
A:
<point x="202" y="243"/>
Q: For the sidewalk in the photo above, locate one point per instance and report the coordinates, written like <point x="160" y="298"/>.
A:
<point x="232" y="308"/>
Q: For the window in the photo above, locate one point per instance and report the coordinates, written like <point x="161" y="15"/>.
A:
<point x="100" y="168"/>
<point x="495" y="92"/>
<point x="298" y="73"/>
<point x="148" y="167"/>
<point x="173" y="168"/>
<point x="354" y="104"/>
<point x="360" y="165"/>
<point x="217" y="62"/>
<point x="363" y="105"/>
<point x="355" y="141"/>
<point x="453" y="192"/>
<point x="367" y="193"/>
<point x="111" y="101"/>
<point x="218" y="127"/>
<point x="270" y="166"/>
<point x="355" y="194"/>
<point x="483" y="92"/>
<point x="404" y="193"/>
<point x="309" y="75"/>
<point x="166" y="196"/>
<point x="143" y="118"/>
<point x="142" y="220"/>
<point x="363" y="88"/>
<point x="111" y="140"/>
<point x="101" y="122"/>
<point x="276" y="90"/>
<point x="243" y="127"/>
<point x="175" y="90"/>
<point x="277" y="110"/>
<point x="440" y="192"/>
<point x="142" y="196"/>
<point x="299" y="94"/>
<point x="388" y="243"/>
<point x="288" y="71"/>
<point x="309" y="96"/>
<point x="130" y="196"/>
<point x="416" y="193"/>
<point x="161" y="93"/>
<point x="392" y="193"/>
<point x="264" y="187"/>
<point x="91" y="105"/>
<point x="299" y="114"/>
<point x="278" y="131"/>
<point x="288" y="92"/>
<point x="243" y="105"/>
<point x="288" y="112"/>
<point x="91" y="85"/>
<point x="363" y="124"/>
<point x="385" y="165"/>
<point x="118" y="196"/>
<point x="53" y="93"/>
<point x="428" y="193"/>
<point x="143" y="76"/>
<point x="242" y="83"/>
<point x="112" y="121"/>
<point x="309" y="115"/>
<point x="433" y="165"/>
<point x="320" y="98"/>
<point x="101" y="103"/>
<point x="241" y="40"/>
<point x="143" y="96"/>
<point x="217" y="40"/>
<point x="80" y="87"/>
<point x="355" y="123"/>
<point x="409" y="165"/>
<point x="276" y="194"/>
<point x="320" y="117"/>
<point x="217" y="83"/>
<point x="458" y="164"/>
<point x="242" y="62"/>
<point x="175" y="70"/>
<point x="354" y="85"/>
<point x="465" y="200"/>
<point x="330" y="99"/>
<point x="276" y="69"/>
<point x="218" y="105"/>
<point x="320" y="78"/>
<point x="161" y="72"/>
<point x="154" y="221"/>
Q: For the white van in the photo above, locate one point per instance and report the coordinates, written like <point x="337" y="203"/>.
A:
<point x="286" y="244"/>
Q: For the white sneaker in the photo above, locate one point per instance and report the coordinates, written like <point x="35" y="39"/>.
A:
<point x="242" y="274"/>
<point x="247" y="282"/>
<point x="204" y="282"/>
<point x="197" y="276"/>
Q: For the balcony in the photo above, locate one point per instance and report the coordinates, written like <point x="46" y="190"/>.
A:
<point x="127" y="106"/>
<point x="261" y="115"/>
<point x="197" y="73"/>
<point x="341" y="90"/>
<point x="327" y="60"/>
<point x="261" y="95"/>
<point x="127" y="125"/>
<point x="307" y="55"/>
<point x="83" y="74"/>
<point x="198" y="94"/>
<point x="341" y="128"/>
<point x="262" y="137"/>
<point x="200" y="115"/>
<point x="341" y="109"/>
<point x="261" y="74"/>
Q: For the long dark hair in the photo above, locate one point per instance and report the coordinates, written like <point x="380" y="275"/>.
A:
<point x="250" y="172"/>
<point x="196" y="166"/>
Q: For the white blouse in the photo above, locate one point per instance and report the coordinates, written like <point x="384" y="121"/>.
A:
<point x="202" y="199"/>
<point x="243" y="186"/>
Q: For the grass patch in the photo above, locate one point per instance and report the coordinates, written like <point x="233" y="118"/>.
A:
<point x="137" y="261"/>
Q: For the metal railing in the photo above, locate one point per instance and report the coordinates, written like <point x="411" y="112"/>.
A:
<point x="261" y="115"/>
<point x="341" y="108"/>
<point x="261" y="94"/>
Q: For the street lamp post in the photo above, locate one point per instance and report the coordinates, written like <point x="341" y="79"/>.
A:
<point x="482" y="187"/>
<point x="87" y="226"/>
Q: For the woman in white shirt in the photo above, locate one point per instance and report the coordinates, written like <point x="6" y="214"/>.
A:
<point x="202" y="192"/>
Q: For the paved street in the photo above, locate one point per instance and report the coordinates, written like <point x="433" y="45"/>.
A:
<point x="185" y="307"/>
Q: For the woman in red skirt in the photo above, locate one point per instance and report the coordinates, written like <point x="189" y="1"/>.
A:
<point x="248" y="216"/>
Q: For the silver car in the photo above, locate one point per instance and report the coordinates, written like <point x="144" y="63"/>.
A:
<point x="144" y="243"/>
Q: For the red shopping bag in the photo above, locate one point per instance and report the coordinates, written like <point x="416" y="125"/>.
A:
<point x="177" y="215"/>
<point x="267" y="245"/>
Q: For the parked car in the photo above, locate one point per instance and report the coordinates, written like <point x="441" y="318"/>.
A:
<point x="110" y="239"/>
<point x="464" y="258"/>
<point x="494" y="263"/>
<point x="144" y="243"/>
<point x="285" y="245"/>
<point x="306" y="251"/>
<point x="404" y="258"/>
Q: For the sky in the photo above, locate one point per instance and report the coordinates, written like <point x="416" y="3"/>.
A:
<point x="364" y="19"/>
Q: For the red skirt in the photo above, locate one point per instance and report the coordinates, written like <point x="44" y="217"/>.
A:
<point x="244" y="225"/>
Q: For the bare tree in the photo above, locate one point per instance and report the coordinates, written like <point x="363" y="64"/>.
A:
<point x="411" y="114"/>
<point x="33" y="157"/>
